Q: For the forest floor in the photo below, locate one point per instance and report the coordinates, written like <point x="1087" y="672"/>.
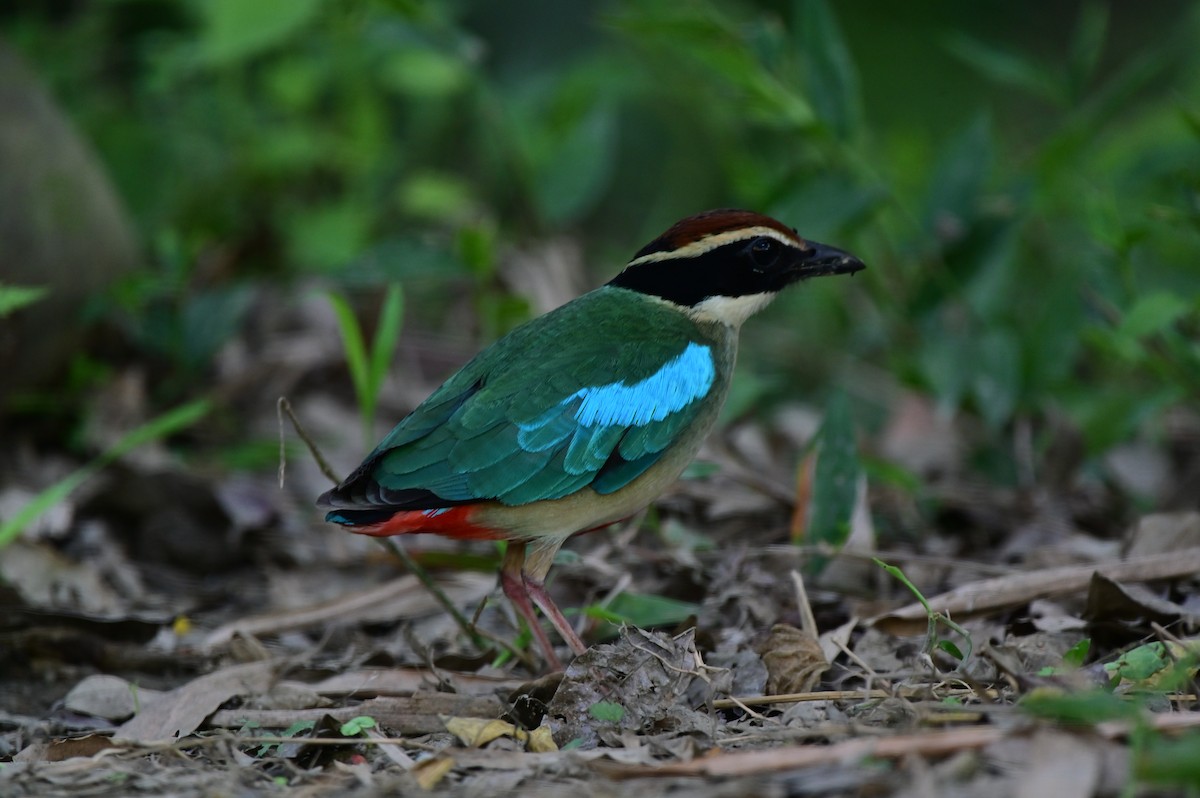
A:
<point x="187" y="628"/>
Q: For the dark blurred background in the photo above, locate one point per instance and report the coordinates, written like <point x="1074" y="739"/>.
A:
<point x="183" y="182"/>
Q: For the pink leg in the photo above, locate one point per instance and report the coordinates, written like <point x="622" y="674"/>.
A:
<point x="537" y="565"/>
<point x="512" y="581"/>
<point x="537" y="592"/>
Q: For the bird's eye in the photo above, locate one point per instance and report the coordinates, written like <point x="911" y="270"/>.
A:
<point x="764" y="251"/>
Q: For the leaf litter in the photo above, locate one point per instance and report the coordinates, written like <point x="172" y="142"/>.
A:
<point x="184" y="630"/>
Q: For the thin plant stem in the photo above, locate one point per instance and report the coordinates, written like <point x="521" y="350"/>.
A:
<point x="285" y="408"/>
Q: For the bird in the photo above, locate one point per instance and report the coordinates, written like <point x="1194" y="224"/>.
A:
<point x="583" y="416"/>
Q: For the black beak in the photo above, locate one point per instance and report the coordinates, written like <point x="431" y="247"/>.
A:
<point x="820" y="259"/>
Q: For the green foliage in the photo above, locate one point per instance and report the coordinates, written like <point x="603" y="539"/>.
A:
<point x="1073" y="659"/>
<point x="234" y="30"/>
<point x="155" y="429"/>
<point x="935" y="618"/>
<point x="1157" y="666"/>
<point x="15" y="297"/>
<point x="357" y="725"/>
<point x="1077" y="654"/>
<point x="835" y="480"/>
<point x="295" y="730"/>
<point x="643" y="610"/>
<point x="607" y="711"/>
<point x="1029" y="212"/>
<point x="1169" y="761"/>
<point x="368" y="368"/>
<point x="1087" y="707"/>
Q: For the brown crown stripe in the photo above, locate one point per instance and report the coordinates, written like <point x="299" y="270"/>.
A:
<point x="709" y="223"/>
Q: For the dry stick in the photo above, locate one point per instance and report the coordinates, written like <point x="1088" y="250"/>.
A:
<point x="808" y="621"/>
<point x="830" y="695"/>
<point x="934" y="743"/>
<point x="285" y="407"/>
<point x="871" y="694"/>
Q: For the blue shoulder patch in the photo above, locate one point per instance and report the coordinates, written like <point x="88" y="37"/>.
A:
<point x="681" y="381"/>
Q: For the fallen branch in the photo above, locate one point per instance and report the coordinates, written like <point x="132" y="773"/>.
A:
<point x="992" y="595"/>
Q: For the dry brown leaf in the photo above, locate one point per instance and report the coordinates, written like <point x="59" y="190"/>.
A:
<point x="69" y="748"/>
<point x="794" y="660"/>
<point x="1111" y="601"/>
<point x="110" y="697"/>
<point x="1164" y="532"/>
<point x="180" y="712"/>
<point x="47" y="579"/>
<point x="990" y="595"/>
<point x="834" y="641"/>
<point x="635" y="683"/>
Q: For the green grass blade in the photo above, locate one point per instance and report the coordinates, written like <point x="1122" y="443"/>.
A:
<point x="387" y="336"/>
<point x="15" y="297"/>
<point x="356" y="358"/>
<point x="160" y="427"/>
<point x="835" y="481"/>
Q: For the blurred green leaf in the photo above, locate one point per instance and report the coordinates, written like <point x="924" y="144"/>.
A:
<point x="835" y="479"/>
<point x="328" y="237"/>
<point x="437" y="197"/>
<point x="1156" y="666"/>
<point x="208" y="319"/>
<point x="236" y="29"/>
<point x="357" y="725"/>
<point x="1084" y="708"/>
<point x="425" y="73"/>
<point x="1007" y="68"/>
<point x="608" y="711"/>
<point x="1153" y="313"/>
<point x="1086" y="46"/>
<point x="157" y="428"/>
<point x="295" y="83"/>
<point x="832" y="77"/>
<point x="571" y="171"/>
<point x="15" y="297"/>
<point x="1169" y="761"/>
<point x="1076" y="655"/>
<point x="647" y="610"/>
<point x="996" y="362"/>
<point x="958" y="180"/>
<point x="700" y="34"/>
<point x="831" y="205"/>
<point x="947" y="364"/>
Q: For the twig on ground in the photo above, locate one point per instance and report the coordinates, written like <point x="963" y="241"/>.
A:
<point x="285" y="407"/>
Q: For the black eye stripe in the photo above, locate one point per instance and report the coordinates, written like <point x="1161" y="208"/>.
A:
<point x="732" y="270"/>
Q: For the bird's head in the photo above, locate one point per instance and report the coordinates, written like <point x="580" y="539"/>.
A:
<point x="726" y="265"/>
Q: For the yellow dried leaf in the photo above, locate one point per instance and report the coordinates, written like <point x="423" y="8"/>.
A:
<point x="432" y="771"/>
<point x="475" y="732"/>
<point x="540" y="740"/>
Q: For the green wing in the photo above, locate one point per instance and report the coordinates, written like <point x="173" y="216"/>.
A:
<point x="556" y="406"/>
